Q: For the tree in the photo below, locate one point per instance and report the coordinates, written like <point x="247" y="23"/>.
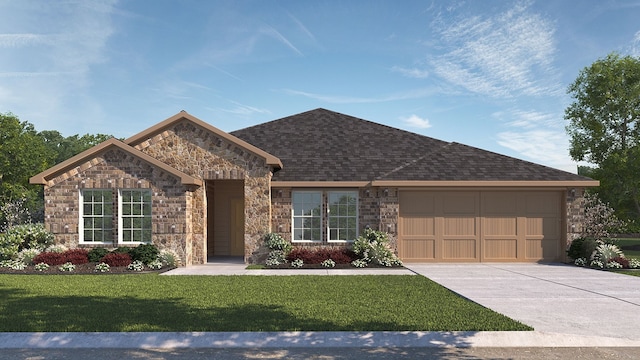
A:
<point x="25" y="152"/>
<point x="604" y="128"/>
<point x="22" y="155"/>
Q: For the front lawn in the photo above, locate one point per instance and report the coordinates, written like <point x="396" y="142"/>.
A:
<point x="149" y="302"/>
<point x="630" y="247"/>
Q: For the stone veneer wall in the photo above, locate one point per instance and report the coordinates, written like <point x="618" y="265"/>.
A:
<point x="575" y="213"/>
<point x="377" y="209"/>
<point x="116" y="169"/>
<point x="202" y="154"/>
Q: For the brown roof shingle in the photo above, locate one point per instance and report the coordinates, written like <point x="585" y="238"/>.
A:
<point x="322" y="145"/>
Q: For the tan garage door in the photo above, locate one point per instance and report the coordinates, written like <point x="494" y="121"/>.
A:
<point x="479" y="226"/>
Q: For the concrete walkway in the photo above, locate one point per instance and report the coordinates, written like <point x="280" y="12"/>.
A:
<point x="568" y="307"/>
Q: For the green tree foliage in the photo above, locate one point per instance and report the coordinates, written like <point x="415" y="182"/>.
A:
<point x="604" y="129"/>
<point x="22" y="155"/>
<point x="24" y="152"/>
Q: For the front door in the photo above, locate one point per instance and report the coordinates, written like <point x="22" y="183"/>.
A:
<point x="225" y="225"/>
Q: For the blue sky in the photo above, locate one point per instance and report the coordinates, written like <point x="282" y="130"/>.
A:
<point x="490" y="74"/>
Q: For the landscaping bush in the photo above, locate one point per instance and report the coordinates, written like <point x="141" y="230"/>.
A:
<point x="145" y="253"/>
<point x="123" y="250"/>
<point x="622" y="261"/>
<point x="115" y="259"/>
<point x="96" y="254"/>
<point x="169" y="258"/>
<point x="26" y="236"/>
<point x="373" y="247"/>
<point x="50" y="258"/>
<point x="317" y="256"/>
<point x="582" y="248"/>
<point x="26" y="256"/>
<point x="274" y="241"/>
<point x="76" y="256"/>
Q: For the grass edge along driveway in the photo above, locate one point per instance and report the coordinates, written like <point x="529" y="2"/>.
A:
<point x="148" y="302"/>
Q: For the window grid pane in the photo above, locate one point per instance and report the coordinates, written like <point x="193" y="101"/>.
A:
<point x="136" y="215"/>
<point x="307" y="216"/>
<point x="97" y="215"/>
<point x="343" y="215"/>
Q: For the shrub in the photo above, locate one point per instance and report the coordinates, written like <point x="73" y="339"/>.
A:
<point x="328" y="263"/>
<point x="26" y="236"/>
<point x="117" y="259"/>
<point x="96" y="254"/>
<point x="582" y="248"/>
<point x="57" y="248"/>
<point x="76" y="256"/>
<point x="605" y="252"/>
<point x="317" y="256"/>
<point x="634" y="264"/>
<point x="136" y="265"/>
<point x="145" y="253"/>
<point x="27" y="255"/>
<point x="34" y="236"/>
<point x="102" y="267"/>
<point x="9" y="245"/>
<point x="580" y="261"/>
<point x="50" y="258"/>
<point x="297" y="263"/>
<point x="624" y="263"/>
<point x="67" y="267"/>
<point x="169" y="258"/>
<point x="41" y="266"/>
<point x="274" y="241"/>
<point x="123" y="250"/>
<point x="359" y="263"/>
<point x="155" y="265"/>
<point x="276" y="257"/>
<point x="373" y="247"/>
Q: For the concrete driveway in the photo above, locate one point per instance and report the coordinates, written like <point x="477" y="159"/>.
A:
<point x="551" y="298"/>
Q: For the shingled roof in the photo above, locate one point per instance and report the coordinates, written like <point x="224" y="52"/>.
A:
<point x="322" y="145"/>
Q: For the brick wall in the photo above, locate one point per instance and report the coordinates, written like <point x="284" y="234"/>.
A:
<point x="575" y="213"/>
<point x="116" y="169"/>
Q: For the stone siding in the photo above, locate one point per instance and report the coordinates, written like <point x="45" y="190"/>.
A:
<point x="575" y="213"/>
<point x="202" y="154"/>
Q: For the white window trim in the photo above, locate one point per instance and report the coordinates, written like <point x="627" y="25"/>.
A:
<point x="325" y="230"/>
<point x="328" y="230"/>
<point x="120" y="217"/>
<point x="293" y="217"/>
<point x="81" y="220"/>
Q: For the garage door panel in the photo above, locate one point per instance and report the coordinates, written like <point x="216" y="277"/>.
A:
<point x="501" y="249"/>
<point x="499" y="226"/>
<point x="418" y="226"/>
<point x="418" y="249"/>
<point x="459" y="249"/>
<point x="542" y="203"/>
<point x="502" y="203"/>
<point x="459" y="226"/>
<point x="547" y="227"/>
<point x="542" y="249"/>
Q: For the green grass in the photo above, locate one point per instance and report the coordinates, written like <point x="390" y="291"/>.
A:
<point x="629" y="242"/>
<point x="150" y="302"/>
<point x="632" y="273"/>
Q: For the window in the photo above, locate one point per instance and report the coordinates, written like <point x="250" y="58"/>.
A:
<point x="96" y="216"/>
<point x="330" y="216"/>
<point x="135" y="216"/>
<point x="307" y="216"/>
<point x="343" y="215"/>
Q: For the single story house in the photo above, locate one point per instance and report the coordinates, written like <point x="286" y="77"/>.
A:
<point x="318" y="179"/>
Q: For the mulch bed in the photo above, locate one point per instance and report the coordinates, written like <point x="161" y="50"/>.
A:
<point x="81" y="269"/>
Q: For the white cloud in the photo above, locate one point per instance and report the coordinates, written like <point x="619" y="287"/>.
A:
<point x="528" y="119"/>
<point x="417" y="122"/>
<point x="542" y="146"/>
<point x="411" y="72"/>
<point x="509" y="54"/>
